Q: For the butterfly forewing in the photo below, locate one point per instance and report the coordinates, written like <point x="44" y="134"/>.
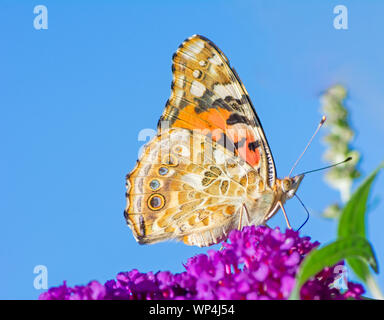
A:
<point x="208" y="95"/>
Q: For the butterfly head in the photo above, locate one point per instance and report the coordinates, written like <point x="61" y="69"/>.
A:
<point x="290" y="185"/>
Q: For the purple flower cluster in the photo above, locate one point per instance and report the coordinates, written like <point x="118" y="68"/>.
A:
<point x="256" y="263"/>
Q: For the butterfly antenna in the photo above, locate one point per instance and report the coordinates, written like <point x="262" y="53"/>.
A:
<point x="306" y="220"/>
<point x="327" y="167"/>
<point x="308" y="144"/>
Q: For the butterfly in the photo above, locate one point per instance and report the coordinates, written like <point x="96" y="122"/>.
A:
<point x="209" y="169"/>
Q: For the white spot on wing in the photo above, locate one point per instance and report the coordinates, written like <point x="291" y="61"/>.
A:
<point x="185" y="56"/>
<point x="219" y="156"/>
<point x="180" y="81"/>
<point x="178" y="94"/>
<point x="197" y="88"/>
<point x="226" y="90"/>
<point x="215" y="60"/>
<point x="196" y="47"/>
<point x="196" y="73"/>
<point x="194" y="180"/>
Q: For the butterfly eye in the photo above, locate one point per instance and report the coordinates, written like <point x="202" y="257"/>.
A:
<point x="286" y="185"/>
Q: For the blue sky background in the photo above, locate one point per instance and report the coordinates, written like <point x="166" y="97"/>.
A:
<point x="73" y="99"/>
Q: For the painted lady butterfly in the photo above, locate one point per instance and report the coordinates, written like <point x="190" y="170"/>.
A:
<point x="209" y="169"/>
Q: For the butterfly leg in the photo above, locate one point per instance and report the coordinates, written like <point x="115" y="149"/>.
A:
<point x="241" y="218"/>
<point x="285" y="215"/>
<point x="243" y="209"/>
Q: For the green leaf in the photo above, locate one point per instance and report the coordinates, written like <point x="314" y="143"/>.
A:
<point x="352" y="221"/>
<point x="343" y="248"/>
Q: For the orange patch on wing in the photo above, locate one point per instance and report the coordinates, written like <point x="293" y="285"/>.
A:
<point x="214" y="121"/>
<point x="211" y="120"/>
<point x="252" y="157"/>
<point x="244" y="136"/>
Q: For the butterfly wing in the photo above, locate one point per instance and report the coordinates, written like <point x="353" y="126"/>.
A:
<point x="208" y="95"/>
<point x="186" y="187"/>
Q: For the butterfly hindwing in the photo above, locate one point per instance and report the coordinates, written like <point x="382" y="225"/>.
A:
<point x="186" y="187"/>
